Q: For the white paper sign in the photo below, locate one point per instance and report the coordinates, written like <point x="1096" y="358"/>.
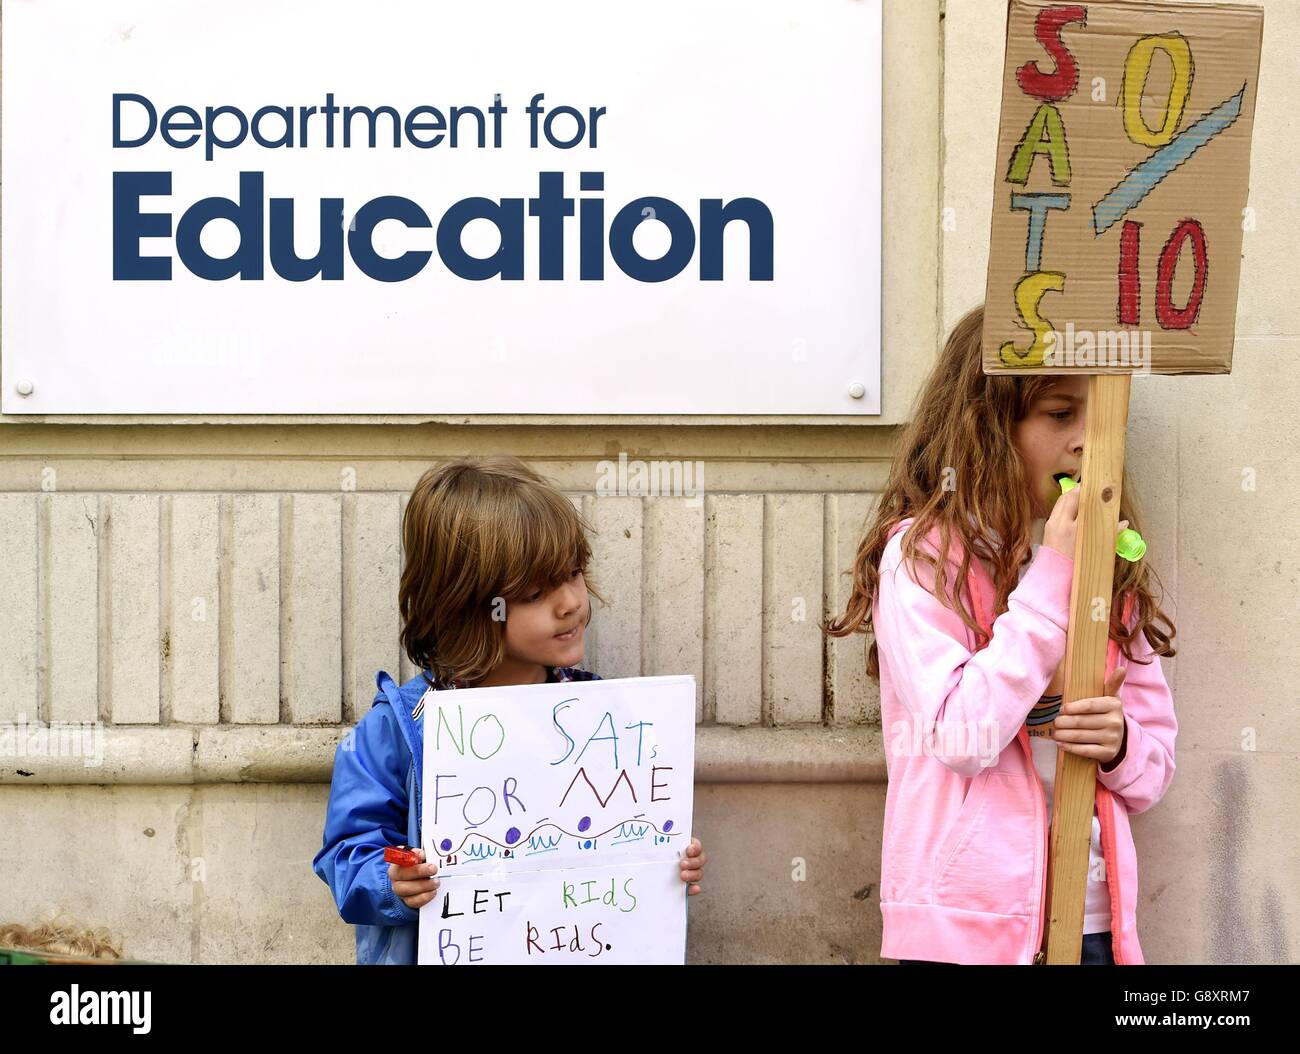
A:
<point x="434" y="206"/>
<point x="558" y="814"/>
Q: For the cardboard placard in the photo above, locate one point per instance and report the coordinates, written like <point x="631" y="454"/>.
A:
<point x="557" y="814"/>
<point x="1121" y="187"/>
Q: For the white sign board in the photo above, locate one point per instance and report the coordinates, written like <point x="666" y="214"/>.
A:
<point x="558" y="814"/>
<point x="428" y="206"/>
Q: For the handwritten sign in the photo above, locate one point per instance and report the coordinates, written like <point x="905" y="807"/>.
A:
<point x="557" y="814"/>
<point x="1120" y="201"/>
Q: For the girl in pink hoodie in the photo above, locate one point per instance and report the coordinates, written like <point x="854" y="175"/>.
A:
<point x="968" y="652"/>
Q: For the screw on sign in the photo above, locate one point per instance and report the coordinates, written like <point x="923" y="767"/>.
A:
<point x="1115" y="249"/>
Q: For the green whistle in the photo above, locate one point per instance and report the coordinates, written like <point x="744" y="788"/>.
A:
<point x="1129" y="545"/>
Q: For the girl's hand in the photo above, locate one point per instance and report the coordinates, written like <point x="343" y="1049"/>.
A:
<point x="1061" y="529"/>
<point x="693" y="861"/>
<point x="1094" y="728"/>
<point x="415" y="884"/>
<point x="1062" y="525"/>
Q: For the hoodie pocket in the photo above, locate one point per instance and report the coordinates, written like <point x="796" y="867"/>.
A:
<point x="959" y="829"/>
<point x="988" y="860"/>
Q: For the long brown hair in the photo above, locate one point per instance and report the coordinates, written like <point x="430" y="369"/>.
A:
<point x="480" y="532"/>
<point x="956" y="467"/>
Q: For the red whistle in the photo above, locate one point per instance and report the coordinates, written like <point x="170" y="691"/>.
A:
<point x="401" y="855"/>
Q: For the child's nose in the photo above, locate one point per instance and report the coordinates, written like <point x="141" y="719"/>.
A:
<point x="569" y="598"/>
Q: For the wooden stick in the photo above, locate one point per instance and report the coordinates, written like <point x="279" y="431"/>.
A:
<point x="1085" y="659"/>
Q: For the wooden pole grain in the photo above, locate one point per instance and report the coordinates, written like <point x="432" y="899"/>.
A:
<point x="1085" y="659"/>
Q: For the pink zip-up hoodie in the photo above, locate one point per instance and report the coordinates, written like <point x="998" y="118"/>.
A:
<point x="963" y="870"/>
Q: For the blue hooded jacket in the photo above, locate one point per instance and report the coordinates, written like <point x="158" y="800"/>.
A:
<point x="375" y="801"/>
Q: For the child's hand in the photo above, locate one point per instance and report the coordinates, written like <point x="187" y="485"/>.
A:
<point x="1062" y="526"/>
<point x="1094" y="728"/>
<point x="414" y="884"/>
<point x="693" y="861"/>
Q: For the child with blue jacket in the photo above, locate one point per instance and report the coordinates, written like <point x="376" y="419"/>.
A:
<point x="494" y="592"/>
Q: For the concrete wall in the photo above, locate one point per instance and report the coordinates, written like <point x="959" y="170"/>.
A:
<point x="219" y="592"/>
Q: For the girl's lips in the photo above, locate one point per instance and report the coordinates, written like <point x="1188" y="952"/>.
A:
<point x="568" y="634"/>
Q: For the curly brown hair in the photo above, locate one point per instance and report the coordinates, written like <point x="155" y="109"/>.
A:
<point x="60" y="935"/>
<point x="964" y="421"/>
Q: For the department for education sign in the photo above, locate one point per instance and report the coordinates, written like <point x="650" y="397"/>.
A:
<point x="436" y="207"/>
